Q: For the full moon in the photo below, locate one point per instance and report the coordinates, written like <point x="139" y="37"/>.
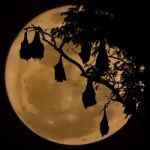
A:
<point x="51" y="109"/>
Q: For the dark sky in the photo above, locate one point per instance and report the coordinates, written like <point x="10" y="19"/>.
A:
<point x="14" y="15"/>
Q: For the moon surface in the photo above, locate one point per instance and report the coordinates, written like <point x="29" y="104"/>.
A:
<point x="51" y="109"/>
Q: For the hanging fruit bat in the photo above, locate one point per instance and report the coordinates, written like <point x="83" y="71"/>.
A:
<point x="25" y="48"/>
<point x="85" y="52"/>
<point x="104" y="127"/>
<point x="102" y="61"/>
<point x="37" y="48"/>
<point x="88" y="96"/>
<point x="60" y="75"/>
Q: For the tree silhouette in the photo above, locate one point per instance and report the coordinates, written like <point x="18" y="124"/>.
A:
<point x="91" y="30"/>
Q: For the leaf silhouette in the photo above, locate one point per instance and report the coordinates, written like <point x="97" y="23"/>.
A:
<point x="37" y="48"/>
<point x="88" y="96"/>
<point x="104" y="127"/>
<point x="60" y="75"/>
<point x="25" y="48"/>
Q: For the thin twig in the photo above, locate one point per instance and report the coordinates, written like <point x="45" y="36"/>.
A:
<point x="83" y="73"/>
<point x="110" y="98"/>
<point x="33" y="27"/>
<point x="118" y="59"/>
<point x="45" y="33"/>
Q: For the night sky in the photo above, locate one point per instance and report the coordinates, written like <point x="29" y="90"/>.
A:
<point x="134" y="29"/>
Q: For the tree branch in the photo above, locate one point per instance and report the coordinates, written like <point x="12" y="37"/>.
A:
<point x="111" y="87"/>
<point x="109" y="99"/>
<point x="45" y="33"/>
<point x="33" y="27"/>
<point x="83" y="73"/>
<point x="118" y="59"/>
<point x="72" y="61"/>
